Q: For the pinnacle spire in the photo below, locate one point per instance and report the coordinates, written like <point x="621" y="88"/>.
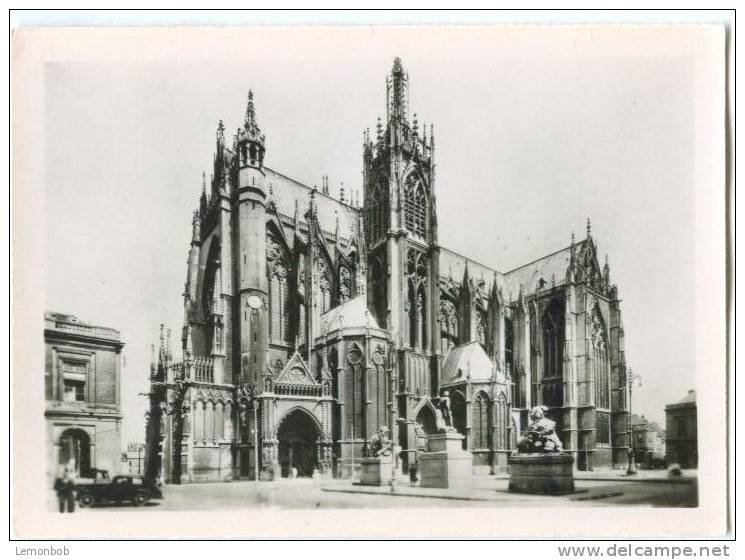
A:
<point x="250" y="110"/>
<point x="589" y="227"/>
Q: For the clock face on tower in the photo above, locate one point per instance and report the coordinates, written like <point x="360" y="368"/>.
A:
<point x="254" y="302"/>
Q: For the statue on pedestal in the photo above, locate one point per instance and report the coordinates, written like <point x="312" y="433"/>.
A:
<point x="380" y="444"/>
<point x="444" y="406"/>
<point x="540" y="437"/>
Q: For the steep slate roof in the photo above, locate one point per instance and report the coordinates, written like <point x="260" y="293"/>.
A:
<point x="353" y="314"/>
<point x="464" y="359"/>
<point x="451" y="263"/>
<point x="285" y="191"/>
<point x="551" y="266"/>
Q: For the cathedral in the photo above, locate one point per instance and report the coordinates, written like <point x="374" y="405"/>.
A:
<point x="312" y="320"/>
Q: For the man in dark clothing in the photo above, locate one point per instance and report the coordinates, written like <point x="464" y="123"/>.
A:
<point x="65" y="488"/>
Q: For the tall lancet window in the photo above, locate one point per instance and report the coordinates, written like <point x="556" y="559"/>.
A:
<point x="600" y="369"/>
<point x="553" y="354"/>
<point x="324" y="285"/>
<point x="301" y="328"/>
<point x="480" y="420"/>
<point x="415" y="305"/>
<point x="415" y="206"/>
<point x="377" y="212"/>
<point x="278" y="293"/>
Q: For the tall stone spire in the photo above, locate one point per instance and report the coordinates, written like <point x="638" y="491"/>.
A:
<point x="251" y="111"/>
<point x="398" y="92"/>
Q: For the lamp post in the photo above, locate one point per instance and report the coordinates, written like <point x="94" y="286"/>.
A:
<point x="631" y="377"/>
<point x="252" y="394"/>
<point x="391" y="362"/>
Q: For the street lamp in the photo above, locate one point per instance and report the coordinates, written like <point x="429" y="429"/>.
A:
<point x="631" y="377"/>
<point x="391" y="362"/>
<point x="251" y="394"/>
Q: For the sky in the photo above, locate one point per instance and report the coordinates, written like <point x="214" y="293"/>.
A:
<point x="533" y="138"/>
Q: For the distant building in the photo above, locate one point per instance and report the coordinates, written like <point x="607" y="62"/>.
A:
<point x="649" y="442"/>
<point x="682" y="435"/>
<point x="83" y="415"/>
<point x="134" y="459"/>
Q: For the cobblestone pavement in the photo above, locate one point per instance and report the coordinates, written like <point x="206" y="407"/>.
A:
<point x="485" y="492"/>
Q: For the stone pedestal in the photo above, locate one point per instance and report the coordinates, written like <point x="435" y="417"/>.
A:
<point x="445" y="465"/>
<point x="541" y="473"/>
<point x="376" y="471"/>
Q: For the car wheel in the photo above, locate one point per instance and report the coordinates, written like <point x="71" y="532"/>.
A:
<point x="140" y="499"/>
<point x="85" y="500"/>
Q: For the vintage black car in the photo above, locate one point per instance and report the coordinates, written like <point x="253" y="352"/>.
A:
<point x="134" y="489"/>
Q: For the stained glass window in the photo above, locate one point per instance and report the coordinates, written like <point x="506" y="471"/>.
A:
<point x="415" y="206"/>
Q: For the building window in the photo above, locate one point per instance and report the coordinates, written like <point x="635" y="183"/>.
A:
<point x="602" y="434"/>
<point x="509" y="346"/>
<point x="74" y="391"/>
<point x="377" y="212"/>
<point x="553" y="354"/>
<point x="553" y="341"/>
<point x="415" y="206"/>
<point x="599" y="366"/>
<point x="278" y="292"/>
<point x="502" y="422"/>
<point x="74" y="376"/>
<point x="416" y="302"/>
<point x="480" y="422"/>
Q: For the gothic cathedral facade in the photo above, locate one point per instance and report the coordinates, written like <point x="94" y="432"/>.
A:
<point x="311" y="321"/>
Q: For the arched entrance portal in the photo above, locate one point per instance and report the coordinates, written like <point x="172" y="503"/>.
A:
<point x="75" y="452"/>
<point x="298" y="438"/>
<point x="426" y="418"/>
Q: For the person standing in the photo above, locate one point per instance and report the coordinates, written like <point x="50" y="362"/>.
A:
<point x="65" y="488"/>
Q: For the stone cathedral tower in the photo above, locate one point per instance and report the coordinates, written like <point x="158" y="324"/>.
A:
<point x="403" y="255"/>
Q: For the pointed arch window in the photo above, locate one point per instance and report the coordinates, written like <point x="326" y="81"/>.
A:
<point x="415" y="206"/>
<point x="553" y="354"/>
<point x="416" y="302"/>
<point x="324" y="285"/>
<point x="219" y="422"/>
<point x="198" y="416"/>
<point x="600" y="371"/>
<point x="480" y="430"/>
<point x="553" y="341"/>
<point x="278" y="291"/>
<point x="377" y="214"/>
<point x="301" y="321"/>
<point x="501" y="422"/>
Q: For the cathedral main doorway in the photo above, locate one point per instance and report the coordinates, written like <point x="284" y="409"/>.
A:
<point x="298" y="444"/>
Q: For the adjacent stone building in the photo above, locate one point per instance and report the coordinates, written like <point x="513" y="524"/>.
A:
<point x="682" y="432"/>
<point x="82" y="392"/>
<point x="649" y="443"/>
<point x="312" y="320"/>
